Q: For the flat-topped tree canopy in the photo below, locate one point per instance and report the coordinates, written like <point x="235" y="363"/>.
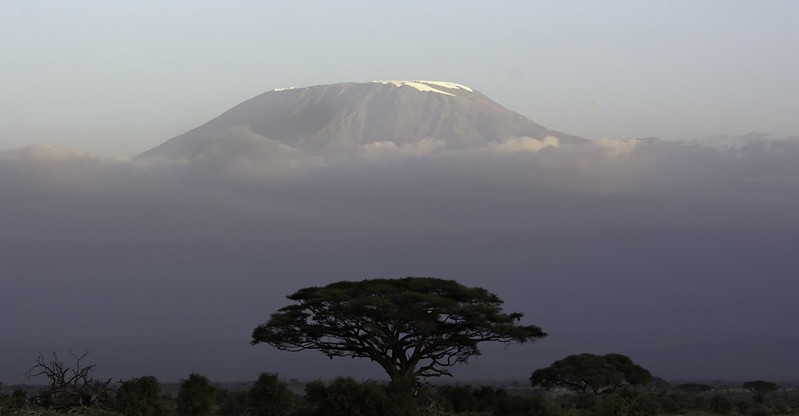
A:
<point x="591" y="373"/>
<point x="412" y="327"/>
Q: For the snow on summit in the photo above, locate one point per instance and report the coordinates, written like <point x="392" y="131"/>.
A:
<point x="428" y="86"/>
<point x="333" y="119"/>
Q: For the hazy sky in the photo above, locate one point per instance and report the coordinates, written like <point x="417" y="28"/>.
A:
<point x="121" y="77"/>
<point x="684" y="256"/>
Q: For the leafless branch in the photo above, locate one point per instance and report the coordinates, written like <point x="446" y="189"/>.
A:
<point x="70" y="386"/>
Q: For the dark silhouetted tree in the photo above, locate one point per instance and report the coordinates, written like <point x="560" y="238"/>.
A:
<point x="760" y="388"/>
<point x="270" y="397"/>
<point x="231" y="403"/>
<point x="411" y="327"/>
<point x="196" y="397"/>
<point x="139" y="397"/>
<point x="591" y="373"/>
<point x="70" y="386"/>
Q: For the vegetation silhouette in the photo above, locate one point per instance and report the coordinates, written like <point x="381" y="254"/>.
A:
<point x="596" y="374"/>
<point x="269" y="395"/>
<point x="70" y="385"/>
<point x="196" y="396"/>
<point x="760" y="388"/>
<point x="412" y="327"/>
<point x="140" y="397"/>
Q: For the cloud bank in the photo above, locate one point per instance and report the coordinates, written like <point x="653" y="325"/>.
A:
<point x="629" y="245"/>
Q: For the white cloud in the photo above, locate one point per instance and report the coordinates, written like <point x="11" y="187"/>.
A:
<point x="523" y="144"/>
<point x="386" y="149"/>
<point x="248" y="155"/>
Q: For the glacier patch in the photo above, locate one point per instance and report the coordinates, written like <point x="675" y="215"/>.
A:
<point x="428" y="86"/>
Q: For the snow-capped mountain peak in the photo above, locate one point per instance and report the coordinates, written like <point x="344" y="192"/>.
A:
<point x="428" y="86"/>
<point x="334" y="118"/>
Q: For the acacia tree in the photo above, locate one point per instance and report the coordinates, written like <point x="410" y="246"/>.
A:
<point x="411" y="327"/>
<point x="760" y="388"/>
<point x="588" y="372"/>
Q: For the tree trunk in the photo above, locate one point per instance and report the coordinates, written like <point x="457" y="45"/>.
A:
<point x="401" y="391"/>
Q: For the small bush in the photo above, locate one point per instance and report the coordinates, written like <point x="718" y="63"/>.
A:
<point x="18" y="399"/>
<point x="347" y="397"/>
<point x="139" y="397"/>
<point x="270" y="397"/>
<point x="626" y="402"/>
<point x="195" y="397"/>
<point x="760" y="410"/>
<point x="536" y="404"/>
<point x="720" y="404"/>
<point x="743" y="406"/>
<point x="231" y="403"/>
<point x="458" y="398"/>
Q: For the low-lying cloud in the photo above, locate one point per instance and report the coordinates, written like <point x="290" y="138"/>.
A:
<point x="619" y="243"/>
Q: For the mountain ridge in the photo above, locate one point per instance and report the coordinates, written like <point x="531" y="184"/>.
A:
<point x="339" y="117"/>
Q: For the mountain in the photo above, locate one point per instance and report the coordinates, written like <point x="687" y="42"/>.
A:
<point x="340" y="117"/>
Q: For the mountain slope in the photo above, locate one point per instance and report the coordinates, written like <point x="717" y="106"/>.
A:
<point x="340" y="117"/>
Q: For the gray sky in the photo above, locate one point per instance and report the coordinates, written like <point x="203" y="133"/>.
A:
<point x="120" y="77"/>
<point x="683" y="256"/>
